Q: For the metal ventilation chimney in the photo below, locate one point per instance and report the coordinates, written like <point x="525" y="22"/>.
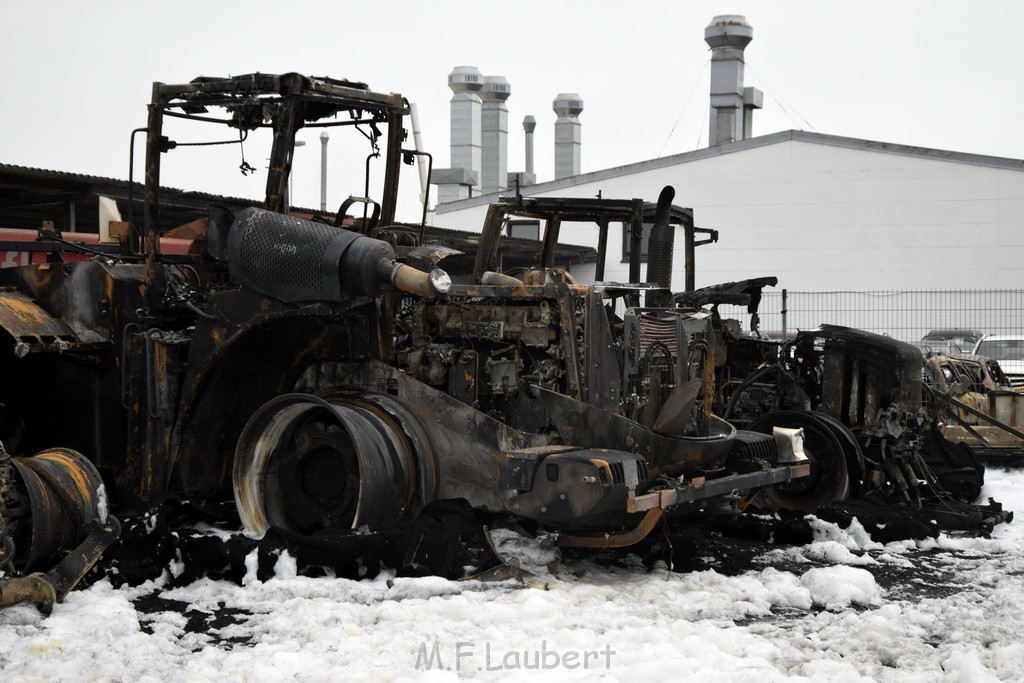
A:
<point x="456" y="182"/>
<point x="567" y="134"/>
<point x="494" y="134"/>
<point x="732" y="104"/>
<point x="465" y="82"/>
<point x="527" y="177"/>
<point x="324" y="138"/>
<point x="529" y="124"/>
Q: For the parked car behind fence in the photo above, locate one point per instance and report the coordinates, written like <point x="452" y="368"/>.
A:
<point x="1008" y="349"/>
<point x="954" y="340"/>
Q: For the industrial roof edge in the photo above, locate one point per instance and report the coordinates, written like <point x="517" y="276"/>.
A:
<point x="739" y="146"/>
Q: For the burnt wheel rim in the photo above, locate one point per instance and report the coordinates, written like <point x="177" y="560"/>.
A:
<point x="311" y="465"/>
<point x="829" y="479"/>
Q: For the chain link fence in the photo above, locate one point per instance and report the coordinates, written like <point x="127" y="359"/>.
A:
<point x="907" y="315"/>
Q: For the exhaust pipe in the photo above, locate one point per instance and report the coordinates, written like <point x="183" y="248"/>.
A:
<point x="296" y="260"/>
<point x="659" y="250"/>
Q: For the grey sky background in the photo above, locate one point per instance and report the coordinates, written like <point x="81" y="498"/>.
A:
<point x="945" y="74"/>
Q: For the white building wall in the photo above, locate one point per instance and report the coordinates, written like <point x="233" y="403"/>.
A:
<point x="825" y="216"/>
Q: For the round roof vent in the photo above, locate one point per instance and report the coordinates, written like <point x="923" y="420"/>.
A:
<point x="465" y="79"/>
<point x="567" y="104"/>
<point x="495" y="88"/>
<point x="728" y="30"/>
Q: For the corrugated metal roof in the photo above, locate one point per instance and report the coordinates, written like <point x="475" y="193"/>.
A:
<point x="29" y="196"/>
<point x="114" y="186"/>
<point x="25" y="190"/>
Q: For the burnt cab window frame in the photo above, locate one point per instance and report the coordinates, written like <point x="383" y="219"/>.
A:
<point x="645" y="241"/>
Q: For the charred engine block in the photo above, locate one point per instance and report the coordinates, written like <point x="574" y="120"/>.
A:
<point x="479" y="352"/>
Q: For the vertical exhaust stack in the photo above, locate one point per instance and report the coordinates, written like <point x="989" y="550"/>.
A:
<point x="457" y="182"/>
<point x="568" y="134"/>
<point x="466" y="82"/>
<point x="527" y="177"/>
<point x="324" y="138"/>
<point x="529" y="125"/>
<point x="494" y="134"/>
<point x="732" y="104"/>
<point x="659" y="250"/>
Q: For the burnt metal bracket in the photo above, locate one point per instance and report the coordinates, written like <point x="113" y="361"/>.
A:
<point x="618" y="540"/>
<point x="699" y="488"/>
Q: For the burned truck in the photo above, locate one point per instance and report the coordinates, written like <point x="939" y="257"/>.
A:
<point x="335" y="376"/>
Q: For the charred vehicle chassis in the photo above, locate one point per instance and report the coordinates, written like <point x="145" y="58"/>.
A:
<point x="335" y="377"/>
<point x="522" y="394"/>
<point x="329" y="376"/>
<point x="860" y="399"/>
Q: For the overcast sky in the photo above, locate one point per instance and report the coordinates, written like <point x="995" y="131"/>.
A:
<point x="943" y="74"/>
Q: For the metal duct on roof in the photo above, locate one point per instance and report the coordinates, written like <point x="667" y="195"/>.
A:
<point x="466" y="82"/>
<point x="529" y="124"/>
<point x="494" y="134"/>
<point x="732" y="105"/>
<point x="568" y="134"/>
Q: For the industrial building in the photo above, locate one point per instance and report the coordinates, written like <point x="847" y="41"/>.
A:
<point x="821" y="212"/>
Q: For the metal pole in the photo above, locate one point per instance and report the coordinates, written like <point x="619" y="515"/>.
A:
<point x="602" y="245"/>
<point x="324" y="137"/>
<point x="785" y="299"/>
<point x="155" y="145"/>
<point x="689" y="256"/>
<point x="417" y="144"/>
<point x="288" y="201"/>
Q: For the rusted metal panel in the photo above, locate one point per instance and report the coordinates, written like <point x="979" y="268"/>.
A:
<point x="603" y="376"/>
<point x="1007" y="407"/>
<point x="32" y="327"/>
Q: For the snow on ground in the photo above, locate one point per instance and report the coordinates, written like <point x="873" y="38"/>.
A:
<point x="840" y="609"/>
